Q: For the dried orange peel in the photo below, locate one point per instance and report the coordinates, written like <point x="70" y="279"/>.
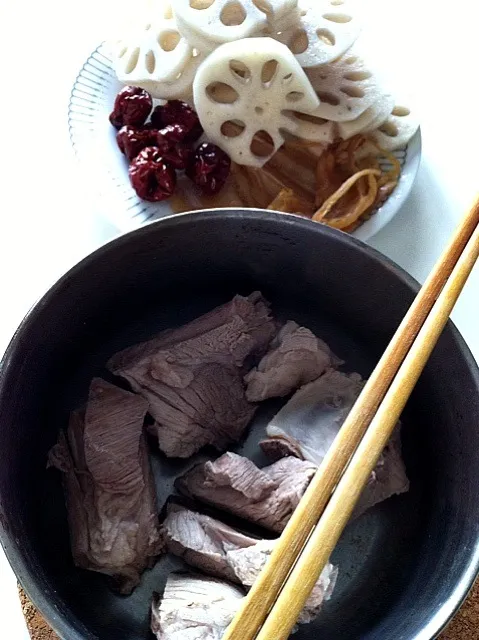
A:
<point x="341" y="187"/>
<point x="361" y="206"/>
<point x="351" y="182"/>
<point x="288" y="202"/>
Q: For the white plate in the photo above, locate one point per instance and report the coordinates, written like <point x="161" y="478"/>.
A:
<point x="105" y="168"/>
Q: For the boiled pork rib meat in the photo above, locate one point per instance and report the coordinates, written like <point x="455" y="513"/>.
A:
<point x="203" y="542"/>
<point x="219" y="550"/>
<point x="296" y="356"/>
<point x="110" y="494"/>
<point x="194" y="607"/>
<point x="234" y="483"/>
<point x="192" y="377"/>
<point x="307" y="425"/>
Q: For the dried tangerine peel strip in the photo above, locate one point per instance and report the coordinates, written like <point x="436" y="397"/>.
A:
<point x="251" y="83"/>
<point x="352" y="156"/>
<point x="333" y="169"/>
<point x="355" y="215"/>
<point x="362" y="205"/>
<point x="324" y="30"/>
<point x="288" y="202"/>
<point x="394" y="173"/>
<point x="347" y="153"/>
<point x="353" y="207"/>
<point x="367" y="200"/>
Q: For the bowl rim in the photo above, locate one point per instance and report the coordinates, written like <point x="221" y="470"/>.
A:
<point x="12" y="548"/>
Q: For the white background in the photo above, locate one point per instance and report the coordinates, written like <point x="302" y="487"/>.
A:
<point x="48" y="221"/>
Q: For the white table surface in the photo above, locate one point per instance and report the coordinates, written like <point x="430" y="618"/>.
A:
<point x="48" y="219"/>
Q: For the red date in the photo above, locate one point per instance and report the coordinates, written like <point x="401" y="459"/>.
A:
<point x="132" y="106"/>
<point x="174" y="149"/>
<point x="132" y="140"/>
<point x="209" y="168"/>
<point x="152" y="178"/>
<point x="158" y="148"/>
<point x="178" y="112"/>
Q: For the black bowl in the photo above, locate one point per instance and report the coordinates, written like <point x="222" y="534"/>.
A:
<point x="405" y="567"/>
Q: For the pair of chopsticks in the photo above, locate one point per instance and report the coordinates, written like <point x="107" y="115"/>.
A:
<point x="274" y="603"/>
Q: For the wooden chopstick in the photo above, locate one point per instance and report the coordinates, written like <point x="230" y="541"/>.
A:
<point x="335" y="517"/>
<point x="264" y="592"/>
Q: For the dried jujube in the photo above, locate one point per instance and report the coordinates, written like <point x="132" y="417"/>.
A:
<point x="209" y="168"/>
<point x="151" y="176"/>
<point x="132" y="107"/>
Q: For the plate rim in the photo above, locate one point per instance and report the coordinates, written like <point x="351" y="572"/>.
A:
<point x="124" y="224"/>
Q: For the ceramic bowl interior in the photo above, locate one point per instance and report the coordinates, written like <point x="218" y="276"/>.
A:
<point x="404" y="567"/>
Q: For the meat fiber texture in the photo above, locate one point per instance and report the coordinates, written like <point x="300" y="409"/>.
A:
<point x="235" y="484"/>
<point x="110" y="494"/>
<point x="202" y="541"/>
<point x="192" y="377"/>
<point x="219" y="550"/>
<point x="296" y="356"/>
<point x="307" y="425"/>
<point x="194" y="607"/>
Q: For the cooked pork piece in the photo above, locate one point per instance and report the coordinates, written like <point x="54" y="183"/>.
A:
<point x="111" y="500"/>
<point x="248" y="562"/>
<point x="192" y="377"/>
<point x="233" y="483"/>
<point x="201" y="541"/>
<point x="217" y="549"/>
<point x="296" y="356"/>
<point x="307" y="425"/>
<point x="194" y="607"/>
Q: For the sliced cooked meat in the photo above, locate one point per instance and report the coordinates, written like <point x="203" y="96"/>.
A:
<point x="192" y="377"/>
<point x="248" y="562"/>
<point x="211" y="409"/>
<point x="389" y="477"/>
<point x="296" y="356"/>
<point x="210" y="545"/>
<point x="111" y="500"/>
<point x="307" y="425"/>
<point x="201" y="541"/>
<point x="194" y="607"/>
<point x="233" y="483"/>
